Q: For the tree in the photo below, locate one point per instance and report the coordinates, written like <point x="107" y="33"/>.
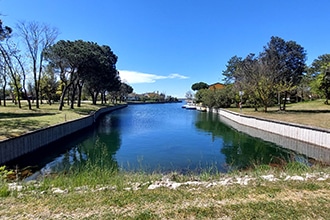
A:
<point x="37" y="37"/>
<point x="20" y="63"/>
<point x="84" y="64"/>
<point x="319" y="74"/>
<point x="278" y="69"/>
<point x="257" y="81"/>
<point x="325" y="84"/>
<point x="125" y="89"/>
<point x="99" y="73"/>
<point x="7" y="54"/>
<point x="200" y="85"/>
<point x="65" y="58"/>
<point x="5" y="31"/>
<point x="232" y="67"/>
<point x="286" y="62"/>
<point x="189" y="95"/>
<point x="49" y="84"/>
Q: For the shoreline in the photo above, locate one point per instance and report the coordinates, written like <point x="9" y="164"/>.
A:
<point x="13" y="148"/>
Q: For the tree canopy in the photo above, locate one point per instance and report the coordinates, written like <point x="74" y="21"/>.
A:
<point x="319" y="73"/>
<point x="199" y="85"/>
<point x="267" y="77"/>
<point x="80" y="63"/>
<point x="5" y="31"/>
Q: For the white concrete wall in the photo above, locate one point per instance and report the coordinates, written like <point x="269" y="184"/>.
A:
<point x="16" y="147"/>
<point x="315" y="136"/>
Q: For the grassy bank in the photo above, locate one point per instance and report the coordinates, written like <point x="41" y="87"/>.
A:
<point x="312" y="113"/>
<point x="17" y="121"/>
<point x="295" y="192"/>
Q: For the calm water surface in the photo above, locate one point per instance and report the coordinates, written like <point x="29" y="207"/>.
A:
<point x="166" y="137"/>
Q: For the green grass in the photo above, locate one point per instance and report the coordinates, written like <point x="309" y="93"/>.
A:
<point x="15" y="121"/>
<point x="311" y="113"/>
<point x="113" y="196"/>
<point x="92" y="191"/>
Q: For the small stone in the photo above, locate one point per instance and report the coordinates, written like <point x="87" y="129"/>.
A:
<point x="269" y="177"/>
<point x="15" y="187"/>
<point x="59" y="191"/>
<point x="298" y="178"/>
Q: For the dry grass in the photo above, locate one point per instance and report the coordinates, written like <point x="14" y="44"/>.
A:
<point x="17" y="121"/>
<point x="312" y="113"/>
<point x="257" y="200"/>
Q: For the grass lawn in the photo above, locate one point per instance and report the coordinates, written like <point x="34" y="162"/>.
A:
<point x="312" y="113"/>
<point x="15" y="121"/>
<point x="97" y="194"/>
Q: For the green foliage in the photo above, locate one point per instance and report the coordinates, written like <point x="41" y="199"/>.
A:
<point x="297" y="167"/>
<point x="319" y="73"/>
<point x="218" y="98"/>
<point x="232" y="67"/>
<point x="4" y="173"/>
<point x="84" y="64"/>
<point x="4" y="191"/>
<point x="199" y="86"/>
<point x="276" y="71"/>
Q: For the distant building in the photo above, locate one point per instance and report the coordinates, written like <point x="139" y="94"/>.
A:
<point x="133" y="97"/>
<point x="216" y="86"/>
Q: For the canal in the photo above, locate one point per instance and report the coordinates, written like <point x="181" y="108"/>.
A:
<point x="164" y="138"/>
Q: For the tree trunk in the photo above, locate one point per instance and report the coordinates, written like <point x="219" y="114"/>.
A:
<point x="4" y="94"/>
<point x="73" y="94"/>
<point x="284" y="102"/>
<point x="65" y="89"/>
<point x="95" y="94"/>
<point x="79" y="95"/>
<point x="102" y="98"/>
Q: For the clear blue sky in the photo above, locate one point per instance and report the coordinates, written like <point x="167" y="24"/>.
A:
<point x="167" y="45"/>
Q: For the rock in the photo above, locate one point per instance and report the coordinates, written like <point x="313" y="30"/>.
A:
<point x="297" y="178"/>
<point x="269" y="177"/>
<point x="59" y="191"/>
<point x="15" y="187"/>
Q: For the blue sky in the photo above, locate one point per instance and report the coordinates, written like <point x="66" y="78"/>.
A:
<point x="167" y="45"/>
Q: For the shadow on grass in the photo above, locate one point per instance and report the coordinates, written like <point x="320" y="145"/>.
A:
<point x="22" y="115"/>
<point x="298" y="111"/>
<point x="14" y="128"/>
<point x="308" y="111"/>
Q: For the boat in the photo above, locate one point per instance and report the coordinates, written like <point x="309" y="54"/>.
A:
<point x="189" y="106"/>
<point x="201" y="108"/>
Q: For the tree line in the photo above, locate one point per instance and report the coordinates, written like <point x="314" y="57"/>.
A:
<point x="273" y="77"/>
<point x="64" y="71"/>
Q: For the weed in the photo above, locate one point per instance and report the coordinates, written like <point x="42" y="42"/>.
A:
<point x="296" y="167"/>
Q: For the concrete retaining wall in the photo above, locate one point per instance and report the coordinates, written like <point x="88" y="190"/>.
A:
<point x="315" y="136"/>
<point x="16" y="147"/>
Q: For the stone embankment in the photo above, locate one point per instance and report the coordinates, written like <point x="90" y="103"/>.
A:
<point x="27" y="143"/>
<point x="315" y="136"/>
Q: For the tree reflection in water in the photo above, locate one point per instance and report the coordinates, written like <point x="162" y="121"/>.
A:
<point x="94" y="151"/>
<point x="241" y="150"/>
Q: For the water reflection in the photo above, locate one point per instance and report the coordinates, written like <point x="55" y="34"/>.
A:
<point x="96" y="148"/>
<point x="299" y="151"/>
<point x="166" y="138"/>
<point x="241" y="150"/>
